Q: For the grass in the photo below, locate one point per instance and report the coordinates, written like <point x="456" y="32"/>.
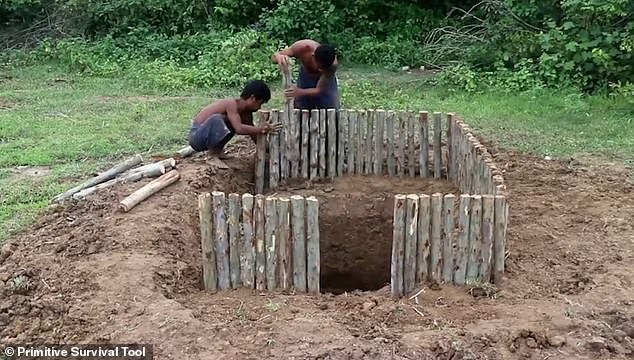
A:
<point x="77" y="125"/>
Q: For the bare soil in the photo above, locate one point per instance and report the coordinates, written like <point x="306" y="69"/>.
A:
<point x="86" y="273"/>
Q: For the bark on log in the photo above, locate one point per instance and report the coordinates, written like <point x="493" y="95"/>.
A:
<point x="148" y="190"/>
<point x="153" y="167"/>
<point x="185" y="152"/>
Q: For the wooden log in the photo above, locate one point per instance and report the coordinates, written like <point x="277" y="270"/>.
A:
<point x="379" y="141"/>
<point x="306" y="134"/>
<point x="314" y="144"/>
<point x="499" y="233"/>
<point x="411" y="239"/>
<point x="270" y="242"/>
<point x="369" y="143"/>
<point x="343" y="136"/>
<point x="475" y="238"/>
<point x="299" y="242"/>
<point x="285" y="241"/>
<point x="402" y="142"/>
<point x="274" y="149"/>
<point x="462" y="256"/>
<point x="120" y="180"/>
<point x="293" y="150"/>
<point x="323" y="134"/>
<point x="289" y="118"/>
<point x="423" y="240"/>
<point x="312" y="245"/>
<point x="361" y="133"/>
<point x="398" y="247"/>
<point x="210" y="276"/>
<point x="155" y="167"/>
<point x="447" y="238"/>
<point x="220" y="240"/>
<point x="247" y="244"/>
<point x="185" y="152"/>
<point x="260" y="155"/>
<point x="352" y="140"/>
<point x="411" y="149"/>
<point x="233" y="221"/>
<point x="424" y="144"/>
<point x="103" y="177"/>
<point x="148" y="190"/>
<point x="437" y="145"/>
<point x="332" y="143"/>
<point x="283" y="135"/>
<point x="486" y="253"/>
<point x="260" y="252"/>
<point x="391" y="140"/>
<point x="435" y="263"/>
<point x="449" y="164"/>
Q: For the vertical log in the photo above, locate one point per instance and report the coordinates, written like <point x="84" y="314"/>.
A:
<point x="447" y="238"/>
<point x="436" y="230"/>
<point x="424" y="143"/>
<point x="361" y="130"/>
<point x="411" y="149"/>
<point x="233" y="222"/>
<point x="306" y="134"/>
<point x="402" y="142"/>
<point x="379" y="123"/>
<point x="411" y="238"/>
<point x="449" y="149"/>
<point x="260" y="253"/>
<point x="292" y="142"/>
<point x="437" y="145"/>
<point x="312" y="244"/>
<point x="274" y="159"/>
<point x="299" y="242"/>
<point x="342" y="136"/>
<point x="332" y="143"/>
<point x="486" y="254"/>
<point x="284" y="136"/>
<point x="462" y="257"/>
<point x="270" y="242"/>
<point x="285" y="256"/>
<point x="314" y="144"/>
<point x="398" y="246"/>
<point x="222" y="243"/>
<point x="475" y="238"/>
<point x="423" y="241"/>
<point x="247" y="246"/>
<point x="369" y="142"/>
<point x="210" y="275"/>
<point x="323" y="134"/>
<point x="352" y="140"/>
<point x="260" y="160"/>
<point x="391" y="155"/>
<point x="500" y="222"/>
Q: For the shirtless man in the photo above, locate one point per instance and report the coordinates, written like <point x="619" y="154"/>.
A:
<point x="217" y="123"/>
<point x="317" y="82"/>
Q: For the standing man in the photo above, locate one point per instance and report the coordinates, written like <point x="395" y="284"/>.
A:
<point x="317" y="85"/>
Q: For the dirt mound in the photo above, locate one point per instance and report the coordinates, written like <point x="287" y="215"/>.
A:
<point x="87" y="273"/>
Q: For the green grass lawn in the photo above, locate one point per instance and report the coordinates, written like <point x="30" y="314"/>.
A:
<point x="76" y="124"/>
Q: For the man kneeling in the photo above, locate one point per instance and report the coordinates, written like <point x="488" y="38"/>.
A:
<point x="217" y="123"/>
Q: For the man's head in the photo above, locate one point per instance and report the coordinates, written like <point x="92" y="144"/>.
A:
<point x="325" y="57"/>
<point x="255" y="93"/>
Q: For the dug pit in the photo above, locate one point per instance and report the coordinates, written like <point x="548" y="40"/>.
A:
<point x="355" y="226"/>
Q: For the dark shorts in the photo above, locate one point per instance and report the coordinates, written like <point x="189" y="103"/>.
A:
<point x="329" y="99"/>
<point x="213" y="134"/>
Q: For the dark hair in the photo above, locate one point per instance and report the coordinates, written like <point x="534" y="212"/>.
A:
<point x="325" y="55"/>
<point x="258" y="89"/>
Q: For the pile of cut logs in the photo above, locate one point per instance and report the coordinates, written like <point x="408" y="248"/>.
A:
<point x="130" y="170"/>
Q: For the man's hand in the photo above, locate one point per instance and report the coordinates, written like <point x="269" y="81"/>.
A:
<point x="269" y="127"/>
<point x="293" y="92"/>
<point x="283" y="61"/>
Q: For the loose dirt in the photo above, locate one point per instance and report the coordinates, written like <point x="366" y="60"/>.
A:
<point x="86" y="273"/>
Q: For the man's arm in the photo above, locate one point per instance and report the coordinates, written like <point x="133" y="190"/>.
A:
<point x="249" y="121"/>
<point x="322" y="84"/>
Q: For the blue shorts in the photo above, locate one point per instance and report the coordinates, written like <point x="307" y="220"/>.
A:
<point x="213" y="134"/>
<point x="329" y="99"/>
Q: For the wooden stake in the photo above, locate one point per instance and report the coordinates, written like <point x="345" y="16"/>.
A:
<point x="486" y="255"/>
<point x="411" y="149"/>
<point x="379" y="141"/>
<point x="332" y="143"/>
<point x="284" y="136"/>
<point x="398" y="247"/>
<point x="312" y="244"/>
<point x="475" y="238"/>
<point x="260" y="155"/>
<point x="423" y="241"/>
<point x="210" y="276"/>
<point x="369" y="142"/>
<point x="148" y="190"/>
<point x="285" y="241"/>
<point x="185" y="152"/>
<point x="103" y="177"/>
<point x="247" y="245"/>
<point x="270" y="242"/>
<point x="260" y="252"/>
<point x="447" y="238"/>
<point x="306" y="134"/>
<point x="294" y="144"/>
<point x="323" y="133"/>
<point x="462" y="256"/>
<point x="314" y="144"/>
<point x="402" y="142"/>
<point x="299" y="242"/>
<point x="158" y="167"/>
<point x="391" y="155"/>
<point x="437" y="145"/>
<point x="352" y="140"/>
<point x="424" y="143"/>
<point x="449" y="147"/>
<point x="500" y="223"/>
<point x="221" y="241"/>
<point x="361" y="130"/>
<point x="411" y="238"/>
<point x="274" y="148"/>
<point x="342" y="136"/>
<point x="136" y="176"/>
<point x="233" y="222"/>
<point x="436" y="230"/>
